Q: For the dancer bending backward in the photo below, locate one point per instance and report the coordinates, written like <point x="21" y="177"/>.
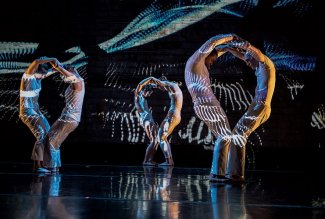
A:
<point x="206" y="105"/>
<point x="173" y="117"/>
<point x="147" y="122"/>
<point x="208" y="109"/>
<point x="258" y="111"/>
<point x="29" y="110"/>
<point x="70" y="116"/>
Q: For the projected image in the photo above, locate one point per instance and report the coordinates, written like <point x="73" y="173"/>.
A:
<point x="318" y="118"/>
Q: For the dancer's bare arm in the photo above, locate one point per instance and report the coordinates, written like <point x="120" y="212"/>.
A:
<point x="32" y="68"/>
<point x="150" y="80"/>
<point x="210" y="44"/>
<point x="239" y="53"/>
<point x="59" y="67"/>
<point x="247" y="47"/>
<point x="49" y="73"/>
<point x="70" y="77"/>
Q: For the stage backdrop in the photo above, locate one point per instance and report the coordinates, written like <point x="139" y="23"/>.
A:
<point x="117" y="43"/>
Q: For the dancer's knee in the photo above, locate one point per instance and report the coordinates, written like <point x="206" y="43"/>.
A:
<point x="162" y="137"/>
<point x="222" y="142"/>
<point x="164" y="147"/>
<point x="74" y="125"/>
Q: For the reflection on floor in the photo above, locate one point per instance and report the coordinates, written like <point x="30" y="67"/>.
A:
<point x="82" y="191"/>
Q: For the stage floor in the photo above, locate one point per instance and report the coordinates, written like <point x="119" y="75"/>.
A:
<point x="95" y="191"/>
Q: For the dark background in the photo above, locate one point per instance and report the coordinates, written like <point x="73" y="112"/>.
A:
<point x="286" y="141"/>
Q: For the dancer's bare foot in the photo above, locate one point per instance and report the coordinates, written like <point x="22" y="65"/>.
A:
<point x="42" y="170"/>
<point x="149" y="163"/>
<point x="218" y="178"/>
<point x="37" y="164"/>
<point x="38" y="167"/>
<point x="236" y="179"/>
<point x="166" y="164"/>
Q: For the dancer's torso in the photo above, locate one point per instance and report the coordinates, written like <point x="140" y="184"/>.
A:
<point x="265" y="79"/>
<point x="198" y="82"/>
<point x="176" y="98"/>
<point x="74" y="101"/>
<point x="30" y="87"/>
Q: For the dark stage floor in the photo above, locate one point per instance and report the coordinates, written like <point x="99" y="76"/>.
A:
<point x="94" y="191"/>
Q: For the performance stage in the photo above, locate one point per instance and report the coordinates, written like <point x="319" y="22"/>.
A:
<point x="102" y="191"/>
<point x="115" y="45"/>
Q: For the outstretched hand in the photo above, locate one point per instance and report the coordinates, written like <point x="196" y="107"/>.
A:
<point x="242" y="44"/>
<point x="237" y="43"/>
<point x="55" y="63"/>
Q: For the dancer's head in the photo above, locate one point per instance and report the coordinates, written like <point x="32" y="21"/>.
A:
<point x="43" y="68"/>
<point x="70" y="68"/>
<point x="160" y="86"/>
<point x="211" y="58"/>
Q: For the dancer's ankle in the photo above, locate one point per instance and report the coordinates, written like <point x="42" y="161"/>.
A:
<point x="37" y="164"/>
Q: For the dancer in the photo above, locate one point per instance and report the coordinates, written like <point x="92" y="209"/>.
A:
<point x="229" y="167"/>
<point x="70" y="116"/>
<point x="206" y="105"/>
<point x="29" y="110"/>
<point x="258" y="111"/>
<point x="173" y="117"/>
<point x="147" y="122"/>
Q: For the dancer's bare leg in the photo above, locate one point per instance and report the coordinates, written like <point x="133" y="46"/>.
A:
<point x="151" y="130"/>
<point x="56" y="136"/>
<point x="39" y="126"/>
<point x="215" y="118"/>
<point x="256" y="115"/>
<point x="165" y="129"/>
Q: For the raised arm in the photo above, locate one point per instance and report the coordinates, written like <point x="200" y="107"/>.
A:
<point x="140" y="86"/>
<point x="70" y="75"/>
<point x="149" y="80"/>
<point x="237" y="52"/>
<point x="209" y="45"/>
<point x="49" y="73"/>
<point x="59" y="67"/>
<point x="250" y="49"/>
<point x="32" y="68"/>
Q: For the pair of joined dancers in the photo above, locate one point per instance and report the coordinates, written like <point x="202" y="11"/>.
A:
<point x="158" y="134"/>
<point x="46" y="151"/>
<point x="228" y="162"/>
